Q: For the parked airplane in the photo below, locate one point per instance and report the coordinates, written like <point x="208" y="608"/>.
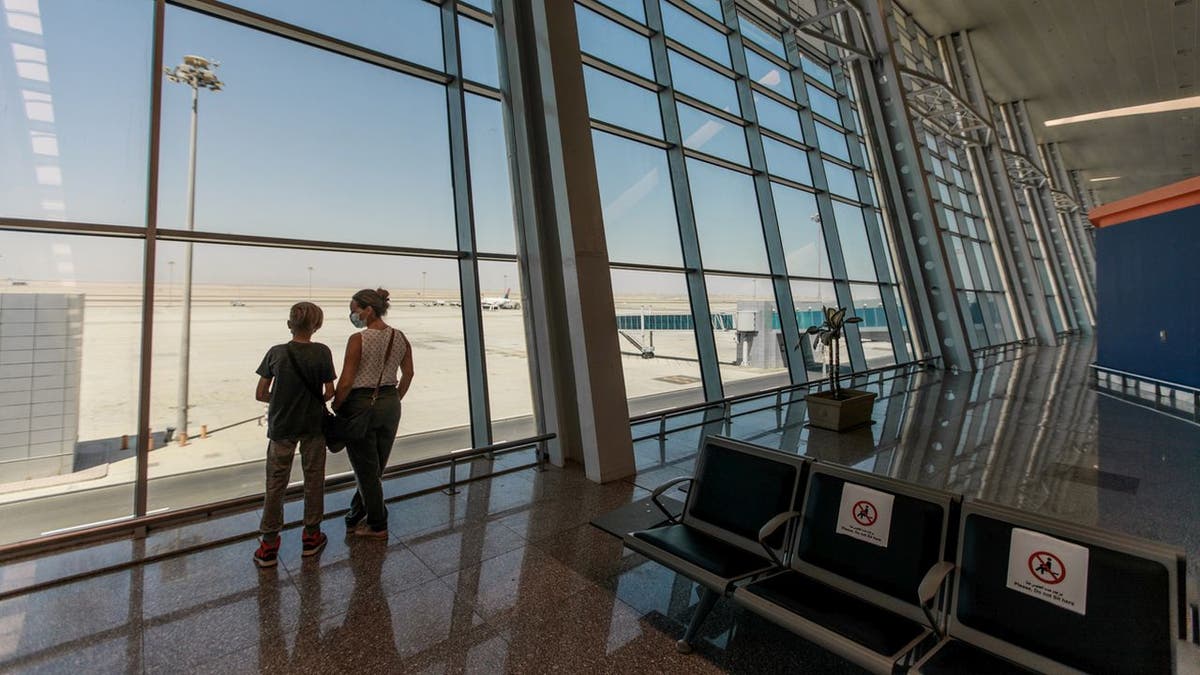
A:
<point x="501" y="303"/>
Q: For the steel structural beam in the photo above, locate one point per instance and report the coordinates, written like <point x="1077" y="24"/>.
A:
<point x="1066" y="182"/>
<point x="1032" y="222"/>
<point x="557" y="200"/>
<point x="706" y="346"/>
<point x="1067" y="208"/>
<point x="876" y="233"/>
<point x="776" y="258"/>
<point x="1002" y="214"/>
<point x="1056" y="235"/>
<point x="468" y="272"/>
<point x="908" y="192"/>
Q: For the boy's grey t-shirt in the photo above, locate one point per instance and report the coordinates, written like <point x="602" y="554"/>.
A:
<point x="294" y="410"/>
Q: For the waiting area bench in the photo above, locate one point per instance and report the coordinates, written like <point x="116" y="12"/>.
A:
<point x="863" y="545"/>
<point x="736" y="489"/>
<point x="897" y="577"/>
<point x="1040" y="595"/>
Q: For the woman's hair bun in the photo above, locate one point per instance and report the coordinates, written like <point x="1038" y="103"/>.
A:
<point x="383" y="294"/>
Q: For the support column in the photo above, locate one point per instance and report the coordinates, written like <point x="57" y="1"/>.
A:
<point x="923" y="250"/>
<point x="706" y="346"/>
<point x="1046" y="216"/>
<point x="1063" y="180"/>
<point x="785" y="306"/>
<point x="468" y="273"/>
<point x="558" y="204"/>
<point x="1002" y="216"/>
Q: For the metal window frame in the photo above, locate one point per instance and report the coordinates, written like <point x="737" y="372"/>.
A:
<point x="466" y="256"/>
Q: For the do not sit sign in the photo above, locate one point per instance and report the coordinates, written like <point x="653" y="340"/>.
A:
<point x="1048" y="569"/>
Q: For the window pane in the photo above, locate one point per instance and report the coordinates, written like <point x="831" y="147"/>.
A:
<point x="485" y="5"/>
<point x="70" y="326"/>
<point x="477" y="44"/>
<point x="786" y="161"/>
<point x="800" y="228"/>
<point x="833" y="142"/>
<point x="777" y="117"/>
<point x="613" y="100"/>
<point x="491" y="190"/>
<point x="769" y="74"/>
<point x="703" y="83"/>
<point x="408" y="29"/>
<point x="712" y="135"/>
<point x="727" y="218"/>
<point x="658" y="340"/>
<point x="750" y="346"/>
<point x="631" y="8"/>
<point x="816" y="71"/>
<point x="614" y="43"/>
<point x="709" y="7"/>
<point x="855" y="247"/>
<point x="841" y="180"/>
<point x="809" y="297"/>
<point x="276" y="160"/>
<point x="758" y="35"/>
<point x="694" y="33"/>
<point x="510" y="398"/>
<point x="911" y="352"/>
<point x="636" y="198"/>
<point x="823" y="104"/>
<point x="239" y="308"/>
<point x="876" y="340"/>
<point x="74" y="144"/>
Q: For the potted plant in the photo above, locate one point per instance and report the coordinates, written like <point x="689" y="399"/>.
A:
<point x="837" y="409"/>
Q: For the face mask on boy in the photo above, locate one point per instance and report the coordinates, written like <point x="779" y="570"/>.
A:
<point x="356" y="319"/>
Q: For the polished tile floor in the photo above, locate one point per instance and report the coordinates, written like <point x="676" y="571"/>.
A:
<point x="509" y="576"/>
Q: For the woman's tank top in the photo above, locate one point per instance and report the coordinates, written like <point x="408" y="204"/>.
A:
<point x="374" y="346"/>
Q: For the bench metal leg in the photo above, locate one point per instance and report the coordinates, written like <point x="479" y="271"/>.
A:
<point x="708" y="598"/>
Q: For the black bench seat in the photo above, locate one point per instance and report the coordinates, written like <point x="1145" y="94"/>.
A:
<point x="807" y="600"/>
<point x="863" y="592"/>
<point x="736" y="490"/>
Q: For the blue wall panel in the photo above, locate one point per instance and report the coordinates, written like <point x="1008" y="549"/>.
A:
<point x="1147" y="281"/>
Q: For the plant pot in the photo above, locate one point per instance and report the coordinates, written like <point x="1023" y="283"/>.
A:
<point x="852" y="409"/>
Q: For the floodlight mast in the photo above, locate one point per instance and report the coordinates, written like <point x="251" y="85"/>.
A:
<point x="198" y="73"/>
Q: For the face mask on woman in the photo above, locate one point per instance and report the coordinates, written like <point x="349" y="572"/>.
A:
<point x="357" y="320"/>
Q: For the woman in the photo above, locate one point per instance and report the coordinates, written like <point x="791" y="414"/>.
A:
<point x="373" y="355"/>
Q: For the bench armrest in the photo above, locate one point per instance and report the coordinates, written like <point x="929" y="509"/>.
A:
<point x="928" y="590"/>
<point x="658" y="492"/>
<point x="769" y="529"/>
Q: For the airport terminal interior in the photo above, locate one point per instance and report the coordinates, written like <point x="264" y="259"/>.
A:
<point x="747" y="336"/>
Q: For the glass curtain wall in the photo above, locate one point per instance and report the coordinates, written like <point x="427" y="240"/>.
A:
<point x="319" y="168"/>
<point x="1037" y="247"/>
<point x="974" y="267"/>
<point x="729" y="191"/>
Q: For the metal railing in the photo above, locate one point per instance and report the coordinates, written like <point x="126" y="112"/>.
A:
<point x="1003" y="349"/>
<point x="1178" y="400"/>
<point x="725" y="405"/>
<point x="140" y="527"/>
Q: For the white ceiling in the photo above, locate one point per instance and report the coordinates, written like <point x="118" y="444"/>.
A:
<point x="1067" y="57"/>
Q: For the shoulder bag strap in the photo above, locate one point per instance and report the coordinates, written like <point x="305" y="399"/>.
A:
<point x="387" y="355"/>
<point x="303" y="378"/>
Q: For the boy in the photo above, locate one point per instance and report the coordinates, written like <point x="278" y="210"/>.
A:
<point x="290" y="380"/>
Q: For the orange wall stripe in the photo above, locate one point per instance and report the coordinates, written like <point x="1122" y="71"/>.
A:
<point x="1168" y="198"/>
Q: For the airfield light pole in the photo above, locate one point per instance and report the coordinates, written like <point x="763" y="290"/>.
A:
<point x="198" y="73"/>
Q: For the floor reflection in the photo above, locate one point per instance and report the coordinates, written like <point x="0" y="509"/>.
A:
<point x="507" y="575"/>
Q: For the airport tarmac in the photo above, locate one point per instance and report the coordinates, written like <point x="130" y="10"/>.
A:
<point x="231" y="329"/>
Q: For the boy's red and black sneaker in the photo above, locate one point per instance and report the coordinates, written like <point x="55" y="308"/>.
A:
<point x="313" y="543"/>
<point x="267" y="554"/>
